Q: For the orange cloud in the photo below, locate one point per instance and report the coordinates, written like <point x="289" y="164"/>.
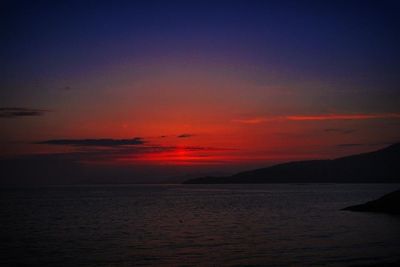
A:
<point x="252" y="120"/>
<point x="343" y="117"/>
<point x="320" y="117"/>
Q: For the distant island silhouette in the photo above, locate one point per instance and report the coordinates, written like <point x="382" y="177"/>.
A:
<point x="381" y="166"/>
<point x="389" y="203"/>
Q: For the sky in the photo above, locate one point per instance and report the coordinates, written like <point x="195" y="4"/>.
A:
<point x="150" y="91"/>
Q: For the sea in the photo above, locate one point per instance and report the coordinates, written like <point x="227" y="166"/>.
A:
<point x="196" y="225"/>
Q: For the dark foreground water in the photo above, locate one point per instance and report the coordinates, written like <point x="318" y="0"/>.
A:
<point x="195" y="225"/>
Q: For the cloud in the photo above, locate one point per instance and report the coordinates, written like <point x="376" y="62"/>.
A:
<point x="339" y="130"/>
<point x="106" y="153"/>
<point x="350" y="145"/>
<point x="105" y="165"/>
<point x="108" y="142"/>
<point x="185" y="135"/>
<point x="319" y="117"/>
<point x="360" y="116"/>
<point x="256" y="120"/>
<point x="20" y="112"/>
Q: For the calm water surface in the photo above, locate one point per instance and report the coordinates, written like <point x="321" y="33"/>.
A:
<point x="195" y="225"/>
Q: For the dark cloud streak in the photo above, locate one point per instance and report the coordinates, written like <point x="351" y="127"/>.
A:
<point x="338" y="130"/>
<point x="350" y="145"/>
<point x="20" y="112"/>
<point x="185" y="135"/>
<point x="107" y="142"/>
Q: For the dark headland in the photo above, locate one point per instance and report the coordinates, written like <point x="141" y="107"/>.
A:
<point x="389" y="203"/>
<point x="381" y="166"/>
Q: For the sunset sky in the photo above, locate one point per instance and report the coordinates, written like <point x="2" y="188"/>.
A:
<point x="159" y="89"/>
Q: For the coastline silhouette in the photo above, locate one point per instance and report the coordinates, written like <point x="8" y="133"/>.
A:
<point x="389" y="203"/>
<point x="381" y="166"/>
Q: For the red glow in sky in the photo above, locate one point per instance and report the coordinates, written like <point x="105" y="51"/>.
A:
<point x="198" y="85"/>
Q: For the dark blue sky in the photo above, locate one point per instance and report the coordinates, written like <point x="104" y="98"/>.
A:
<point x="322" y="38"/>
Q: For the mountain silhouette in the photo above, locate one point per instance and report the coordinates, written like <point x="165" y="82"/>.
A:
<point x="381" y="166"/>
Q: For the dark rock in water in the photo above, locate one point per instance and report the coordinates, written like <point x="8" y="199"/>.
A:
<point x="389" y="203"/>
